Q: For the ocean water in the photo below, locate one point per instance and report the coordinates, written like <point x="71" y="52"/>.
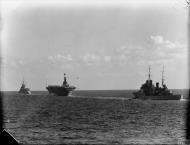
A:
<point x="93" y="117"/>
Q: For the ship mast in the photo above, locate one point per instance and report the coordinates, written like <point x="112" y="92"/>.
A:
<point x="149" y="73"/>
<point x="163" y="76"/>
<point x="65" y="79"/>
<point x="23" y="80"/>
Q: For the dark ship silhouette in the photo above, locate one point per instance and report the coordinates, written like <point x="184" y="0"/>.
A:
<point x="23" y="89"/>
<point x="63" y="90"/>
<point x="149" y="91"/>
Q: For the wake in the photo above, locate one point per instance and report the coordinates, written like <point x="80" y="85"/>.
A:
<point x="100" y="97"/>
<point x="182" y="98"/>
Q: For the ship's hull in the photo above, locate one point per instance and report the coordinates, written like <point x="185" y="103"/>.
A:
<point x="156" y="97"/>
<point x="59" y="90"/>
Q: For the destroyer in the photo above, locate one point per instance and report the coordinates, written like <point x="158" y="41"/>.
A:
<point x="149" y="91"/>
<point x="63" y="90"/>
<point x="23" y="89"/>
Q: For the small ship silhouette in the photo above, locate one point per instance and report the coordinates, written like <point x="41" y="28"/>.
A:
<point x="23" y="89"/>
<point x="63" y="90"/>
<point x="149" y="91"/>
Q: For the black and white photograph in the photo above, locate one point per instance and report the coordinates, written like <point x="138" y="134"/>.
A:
<point x="94" y="71"/>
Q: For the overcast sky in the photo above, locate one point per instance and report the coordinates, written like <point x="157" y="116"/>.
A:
<point x="98" y="45"/>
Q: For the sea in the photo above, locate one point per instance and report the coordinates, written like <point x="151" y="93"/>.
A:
<point x="94" y="117"/>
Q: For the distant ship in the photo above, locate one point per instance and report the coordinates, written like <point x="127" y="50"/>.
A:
<point x="23" y="89"/>
<point x="149" y="91"/>
<point x="63" y="90"/>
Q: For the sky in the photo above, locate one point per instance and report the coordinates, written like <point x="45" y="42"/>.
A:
<point x="98" y="44"/>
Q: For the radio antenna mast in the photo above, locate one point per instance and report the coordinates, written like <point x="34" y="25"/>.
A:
<point x="149" y="73"/>
<point x="22" y="79"/>
<point x="163" y="76"/>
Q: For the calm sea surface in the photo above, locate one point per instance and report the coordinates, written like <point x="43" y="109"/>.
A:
<point x="93" y="117"/>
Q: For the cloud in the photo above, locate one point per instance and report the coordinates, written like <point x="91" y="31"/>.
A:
<point x="161" y="51"/>
<point x="121" y="53"/>
<point x="169" y="44"/>
<point x="124" y="50"/>
<point x="161" y="43"/>
<point x="60" y="58"/>
<point x="91" y="58"/>
<point x="165" y="45"/>
<point x="61" y="61"/>
<point x="168" y="50"/>
<point x="128" y="54"/>
<point x="122" y="57"/>
<point x="107" y="58"/>
<point x="13" y="62"/>
<point x="157" y="39"/>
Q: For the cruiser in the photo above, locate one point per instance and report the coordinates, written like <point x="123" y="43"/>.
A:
<point x="149" y="91"/>
<point x="23" y="89"/>
<point x="63" y="90"/>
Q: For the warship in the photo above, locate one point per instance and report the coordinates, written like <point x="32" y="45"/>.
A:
<point x="63" y="90"/>
<point x="23" y="89"/>
<point x="151" y="92"/>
